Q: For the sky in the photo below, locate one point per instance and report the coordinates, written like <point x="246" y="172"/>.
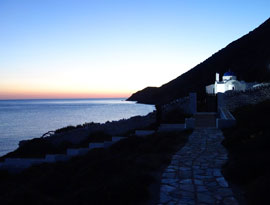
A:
<point x="112" y="48"/>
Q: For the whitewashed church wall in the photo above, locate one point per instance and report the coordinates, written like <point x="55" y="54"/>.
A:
<point x="220" y="88"/>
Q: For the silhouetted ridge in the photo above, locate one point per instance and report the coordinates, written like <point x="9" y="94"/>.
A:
<point x="248" y="57"/>
<point x="146" y="95"/>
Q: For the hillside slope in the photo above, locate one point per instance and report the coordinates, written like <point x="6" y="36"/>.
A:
<point x="248" y="57"/>
<point x="248" y="144"/>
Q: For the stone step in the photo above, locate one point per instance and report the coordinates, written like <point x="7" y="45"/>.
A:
<point x="77" y="152"/>
<point x="50" y="158"/>
<point x="205" y="119"/>
<point x="94" y="145"/>
<point x="171" y="127"/>
<point x="116" y="138"/>
<point x="142" y="133"/>
<point x="19" y="164"/>
<point x="108" y="143"/>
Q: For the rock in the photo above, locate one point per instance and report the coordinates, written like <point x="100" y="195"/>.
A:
<point x="186" y="181"/>
<point x="164" y="198"/>
<point x="167" y="188"/>
<point x="202" y="189"/>
<point x="187" y="187"/>
<point x="205" y="198"/>
<point x="230" y="201"/>
<point x="198" y="182"/>
<point x="222" y="182"/>
<point x="171" y="182"/>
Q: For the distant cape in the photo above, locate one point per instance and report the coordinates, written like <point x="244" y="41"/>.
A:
<point x="248" y="57"/>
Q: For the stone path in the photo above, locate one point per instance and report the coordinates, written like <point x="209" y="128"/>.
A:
<point x="194" y="175"/>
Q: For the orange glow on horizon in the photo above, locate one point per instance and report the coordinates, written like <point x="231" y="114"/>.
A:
<point x="60" y="95"/>
<point x="55" y="89"/>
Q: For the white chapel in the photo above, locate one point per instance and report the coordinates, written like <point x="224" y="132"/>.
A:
<point x="229" y="82"/>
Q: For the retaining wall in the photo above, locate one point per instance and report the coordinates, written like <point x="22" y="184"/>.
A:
<point x="234" y="100"/>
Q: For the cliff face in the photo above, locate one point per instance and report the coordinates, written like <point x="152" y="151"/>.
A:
<point x="248" y="57"/>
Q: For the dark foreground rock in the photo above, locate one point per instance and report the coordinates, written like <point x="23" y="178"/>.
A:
<point x="248" y="144"/>
<point x="126" y="173"/>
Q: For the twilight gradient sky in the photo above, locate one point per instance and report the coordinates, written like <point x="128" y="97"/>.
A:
<point x="112" y="48"/>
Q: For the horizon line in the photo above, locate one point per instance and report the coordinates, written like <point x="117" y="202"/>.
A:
<point x="63" y="98"/>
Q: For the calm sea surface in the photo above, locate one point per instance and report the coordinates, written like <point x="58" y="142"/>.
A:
<point x="26" y="119"/>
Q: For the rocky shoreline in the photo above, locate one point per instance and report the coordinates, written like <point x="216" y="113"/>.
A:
<point x="76" y="134"/>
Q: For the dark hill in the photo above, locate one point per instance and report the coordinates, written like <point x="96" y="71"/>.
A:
<point x="248" y="57"/>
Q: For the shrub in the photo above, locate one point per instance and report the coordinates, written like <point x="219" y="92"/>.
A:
<point x="249" y="151"/>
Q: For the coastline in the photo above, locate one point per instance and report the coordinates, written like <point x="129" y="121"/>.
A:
<point x="40" y="116"/>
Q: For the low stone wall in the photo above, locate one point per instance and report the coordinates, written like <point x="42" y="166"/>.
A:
<point x="190" y="123"/>
<point x="181" y="103"/>
<point x="96" y="145"/>
<point x="186" y="104"/>
<point x="76" y="152"/>
<point x="142" y="133"/>
<point x="50" y="158"/>
<point x="234" y="100"/>
<point x="225" y="119"/>
<point x="171" y="127"/>
<point x="18" y="164"/>
<point x="120" y="127"/>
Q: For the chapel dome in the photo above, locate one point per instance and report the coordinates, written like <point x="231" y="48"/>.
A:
<point x="229" y="73"/>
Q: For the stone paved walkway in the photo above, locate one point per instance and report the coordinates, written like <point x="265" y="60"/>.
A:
<point x="194" y="175"/>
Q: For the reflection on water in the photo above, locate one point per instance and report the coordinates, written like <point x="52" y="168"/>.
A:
<point x="26" y="119"/>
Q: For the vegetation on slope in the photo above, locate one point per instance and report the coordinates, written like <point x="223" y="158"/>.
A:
<point x="126" y="173"/>
<point x="249" y="152"/>
<point x="175" y="116"/>
<point x="39" y="147"/>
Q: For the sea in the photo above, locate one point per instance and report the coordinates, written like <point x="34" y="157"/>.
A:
<point x="27" y="119"/>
